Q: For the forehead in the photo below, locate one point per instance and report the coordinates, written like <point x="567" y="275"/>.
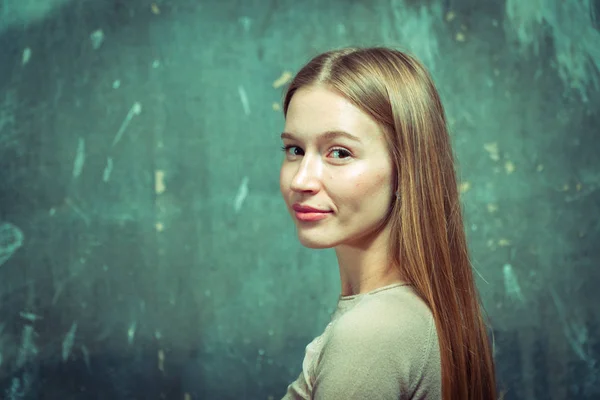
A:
<point x="313" y="110"/>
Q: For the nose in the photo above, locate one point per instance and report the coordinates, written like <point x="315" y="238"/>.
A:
<point x="307" y="177"/>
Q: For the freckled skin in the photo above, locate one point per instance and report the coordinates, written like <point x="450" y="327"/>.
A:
<point x="352" y="179"/>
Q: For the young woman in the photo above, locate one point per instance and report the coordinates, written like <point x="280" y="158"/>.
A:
<point x="369" y="171"/>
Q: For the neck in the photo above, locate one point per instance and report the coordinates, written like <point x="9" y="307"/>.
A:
<point x="366" y="267"/>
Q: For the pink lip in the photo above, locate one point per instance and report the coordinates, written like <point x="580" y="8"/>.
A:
<point x="307" y="209"/>
<point x="307" y="213"/>
<point x="311" y="216"/>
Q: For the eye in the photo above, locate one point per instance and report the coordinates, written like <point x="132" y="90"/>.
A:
<point x="337" y="153"/>
<point x="341" y="153"/>
<point x="294" y="150"/>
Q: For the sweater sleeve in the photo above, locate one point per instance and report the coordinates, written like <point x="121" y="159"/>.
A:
<point x="379" y="355"/>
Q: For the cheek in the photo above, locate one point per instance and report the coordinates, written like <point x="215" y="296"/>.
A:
<point x="285" y="179"/>
<point x="282" y="180"/>
<point x="371" y="187"/>
<point x="369" y="182"/>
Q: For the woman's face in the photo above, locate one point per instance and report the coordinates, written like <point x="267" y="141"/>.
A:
<point x="336" y="161"/>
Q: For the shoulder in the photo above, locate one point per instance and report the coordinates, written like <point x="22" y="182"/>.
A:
<point x="397" y="331"/>
<point x="397" y="317"/>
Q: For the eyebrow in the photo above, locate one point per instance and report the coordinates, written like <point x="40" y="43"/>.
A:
<point x="327" y="135"/>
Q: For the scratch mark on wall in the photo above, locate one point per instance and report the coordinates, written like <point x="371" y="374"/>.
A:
<point x="11" y="239"/>
<point x="79" y="158"/>
<point x="29" y="316"/>
<point x="107" y="169"/>
<point x="136" y="109"/>
<point x="161" y="360"/>
<point x="241" y="195"/>
<point x="244" y="99"/>
<point x="67" y="343"/>
<point x="28" y="348"/>
<point x="159" y="181"/>
<point x="97" y="38"/>
<point x="284" y="78"/>
<point x="26" y="56"/>
<point x="511" y="284"/>
<point x="86" y="357"/>
<point x="246" y="22"/>
<point x="576" y="333"/>
<point x="78" y="211"/>
<point x="131" y="332"/>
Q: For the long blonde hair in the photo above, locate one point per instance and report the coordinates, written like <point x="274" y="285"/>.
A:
<point x="428" y="242"/>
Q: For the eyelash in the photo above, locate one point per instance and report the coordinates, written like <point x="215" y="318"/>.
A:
<point x="341" y="149"/>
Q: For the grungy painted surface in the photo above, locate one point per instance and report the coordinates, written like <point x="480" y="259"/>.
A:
<point x="144" y="248"/>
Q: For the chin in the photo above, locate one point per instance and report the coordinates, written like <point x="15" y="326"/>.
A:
<point x="314" y="242"/>
<point x="315" y="245"/>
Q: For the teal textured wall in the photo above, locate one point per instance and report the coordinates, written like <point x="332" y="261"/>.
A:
<point x="144" y="247"/>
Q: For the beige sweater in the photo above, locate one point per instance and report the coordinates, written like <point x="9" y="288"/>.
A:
<point x="380" y="345"/>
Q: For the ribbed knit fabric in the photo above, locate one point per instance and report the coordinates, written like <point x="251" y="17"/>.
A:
<point x="380" y="345"/>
